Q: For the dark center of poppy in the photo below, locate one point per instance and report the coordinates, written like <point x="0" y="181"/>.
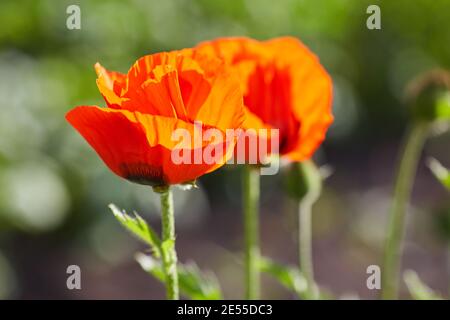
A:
<point x="143" y="173"/>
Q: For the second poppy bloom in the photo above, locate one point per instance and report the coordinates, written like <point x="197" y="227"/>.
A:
<point x="161" y="93"/>
<point x="285" y="88"/>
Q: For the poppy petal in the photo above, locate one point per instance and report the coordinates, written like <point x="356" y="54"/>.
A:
<point x="223" y="108"/>
<point x="164" y="94"/>
<point x="110" y="85"/>
<point x="119" y="141"/>
<point x="139" y="147"/>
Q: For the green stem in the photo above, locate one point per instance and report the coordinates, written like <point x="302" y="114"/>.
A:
<point x="251" y="226"/>
<point x="415" y="139"/>
<point x="168" y="243"/>
<point x="448" y="265"/>
<point x="306" y="183"/>
<point x="305" y="246"/>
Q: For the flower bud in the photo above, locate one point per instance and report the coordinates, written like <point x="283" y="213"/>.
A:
<point x="304" y="181"/>
<point x="429" y="96"/>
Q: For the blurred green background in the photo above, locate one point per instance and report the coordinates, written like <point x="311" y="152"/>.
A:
<point x="54" y="190"/>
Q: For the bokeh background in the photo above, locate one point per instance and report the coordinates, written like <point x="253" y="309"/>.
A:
<point x="54" y="190"/>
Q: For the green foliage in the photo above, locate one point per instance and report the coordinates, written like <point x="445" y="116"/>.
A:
<point x="290" y="277"/>
<point x="440" y="172"/>
<point x="194" y="283"/>
<point x="139" y="228"/>
<point x="417" y="289"/>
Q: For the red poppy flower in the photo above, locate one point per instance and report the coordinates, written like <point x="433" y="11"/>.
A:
<point x="160" y="94"/>
<point x="284" y="86"/>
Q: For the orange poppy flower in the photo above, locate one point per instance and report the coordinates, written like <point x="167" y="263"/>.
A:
<point x="284" y="86"/>
<point x="160" y="94"/>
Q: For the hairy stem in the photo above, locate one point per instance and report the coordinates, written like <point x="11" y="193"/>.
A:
<point x="251" y="226"/>
<point x="168" y="242"/>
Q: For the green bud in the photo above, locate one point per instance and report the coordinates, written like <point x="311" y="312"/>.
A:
<point x="304" y="181"/>
<point x="429" y="96"/>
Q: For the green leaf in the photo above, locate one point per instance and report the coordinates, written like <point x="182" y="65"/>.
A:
<point x="289" y="277"/>
<point x="440" y="172"/>
<point x="417" y="289"/>
<point x="193" y="283"/>
<point x="138" y="227"/>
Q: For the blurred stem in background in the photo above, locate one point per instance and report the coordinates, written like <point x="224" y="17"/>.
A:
<point x="415" y="139"/>
<point x="168" y="243"/>
<point x="251" y="229"/>
<point x="442" y="174"/>
<point x="312" y="183"/>
<point x="429" y="99"/>
<point x="305" y="184"/>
